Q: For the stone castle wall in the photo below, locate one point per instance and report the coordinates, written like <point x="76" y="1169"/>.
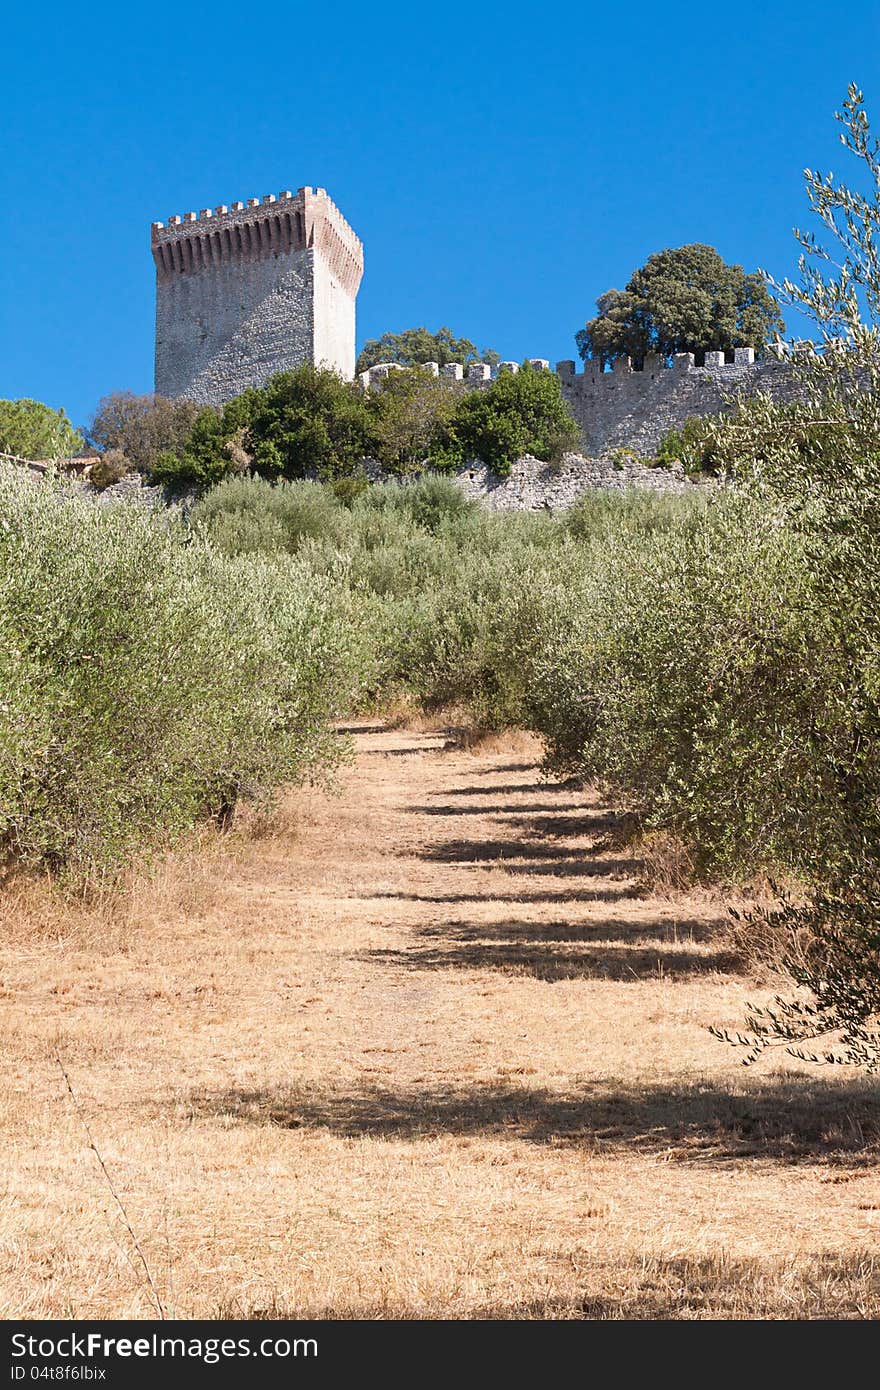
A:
<point x="627" y="409"/>
<point x="633" y="410"/>
<point x="257" y="288"/>
<point x="533" y="486"/>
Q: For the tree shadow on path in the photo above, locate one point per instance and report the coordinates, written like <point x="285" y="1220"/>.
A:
<point x="792" y="1119"/>
<point x="551" y="895"/>
<point x="551" y="963"/>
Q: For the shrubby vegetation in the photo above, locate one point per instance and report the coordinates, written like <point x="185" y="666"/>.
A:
<point x="147" y="681"/>
<point x="457" y="598"/>
<point x="135" y="430"/>
<point x="412" y="418"/>
<point x="427" y="571"/>
<point x="693" y="446"/>
<point x="31" y="430"/>
<point x="703" y="675"/>
<point x="415" y="346"/>
<point x="809" y="628"/>
<point x="308" y="423"/>
<point x="696" y="654"/>
<point x="685" y="651"/>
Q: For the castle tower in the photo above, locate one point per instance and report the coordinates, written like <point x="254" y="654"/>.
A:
<point x="252" y="289"/>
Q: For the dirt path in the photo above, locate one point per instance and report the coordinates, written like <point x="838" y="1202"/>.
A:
<point x="425" y="1051"/>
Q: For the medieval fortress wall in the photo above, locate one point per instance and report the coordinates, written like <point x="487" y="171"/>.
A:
<point x="252" y="289"/>
<point x="623" y="415"/>
<point x="633" y="409"/>
<point x="264" y="286"/>
<point x="627" y="409"/>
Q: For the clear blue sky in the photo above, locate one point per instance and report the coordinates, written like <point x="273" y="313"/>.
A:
<point x="503" y="163"/>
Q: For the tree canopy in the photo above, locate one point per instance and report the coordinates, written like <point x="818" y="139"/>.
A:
<point x="141" y="427"/>
<point x="31" y="430"/>
<point x="309" y="423"/>
<point x="683" y="299"/>
<point x="414" y="346"/>
<point x="521" y="413"/>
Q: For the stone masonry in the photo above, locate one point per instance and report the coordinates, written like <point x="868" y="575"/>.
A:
<point x="629" y="409"/>
<point x="252" y="289"/>
<point x="533" y="486"/>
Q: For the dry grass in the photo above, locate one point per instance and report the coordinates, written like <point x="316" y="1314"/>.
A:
<point x="426" y="1049"/>
<point x="714" y="1287"/>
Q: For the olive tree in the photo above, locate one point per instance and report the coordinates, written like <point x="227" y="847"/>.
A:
<point x="818" y="465"/>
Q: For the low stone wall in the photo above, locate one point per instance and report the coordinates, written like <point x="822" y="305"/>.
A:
<point x="133" y="488"/>
<point x="536" y="486"/>
<point x="531" y="485"/>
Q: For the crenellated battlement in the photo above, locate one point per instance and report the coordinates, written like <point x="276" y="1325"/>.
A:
<point x="251" y="288"/>
<point x="257" y="229"/>
<point x="632" y="407"/>
<point x="593" y="371"/>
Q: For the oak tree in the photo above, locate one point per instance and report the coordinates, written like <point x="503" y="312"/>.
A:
<point x="683" y="299"/>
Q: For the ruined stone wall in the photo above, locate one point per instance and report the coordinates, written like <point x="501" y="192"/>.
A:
<point x="254" y="289"/>
<point x="530" y="487"/>
<point x="535" y="486"/>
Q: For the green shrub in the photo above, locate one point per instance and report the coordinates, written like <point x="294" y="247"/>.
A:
<point x="249" y="514"/>
<point x="693" y="446"/>
<point x="429" y="502"/>
<point x="31" y="430"/>
<point x="202" y="460"/>
<point x="702" y="675"/>
<point x="308" y="422"/>
<point x="427" y="573"/>
<point x="411" y="415"/>
<point x="146" y="681"/>
<point x="349" y="488"/>
<point x="520" y="413"/>
<point x="602" y="515"/>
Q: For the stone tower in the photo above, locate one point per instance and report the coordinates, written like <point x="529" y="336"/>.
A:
<point x="252" y="289"/>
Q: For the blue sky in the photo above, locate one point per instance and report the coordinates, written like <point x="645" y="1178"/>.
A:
<point x="504" y="164"/>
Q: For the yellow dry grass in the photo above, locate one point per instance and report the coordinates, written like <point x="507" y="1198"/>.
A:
<point x="425" y="1050"/>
